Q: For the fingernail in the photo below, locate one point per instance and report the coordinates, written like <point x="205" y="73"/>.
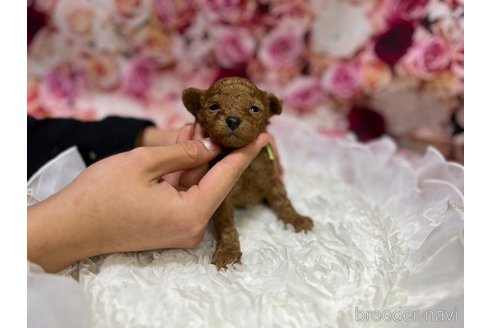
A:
<point x="209" y="144"/>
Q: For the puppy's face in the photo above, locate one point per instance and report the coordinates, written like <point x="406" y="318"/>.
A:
<point x="233" y="110"/>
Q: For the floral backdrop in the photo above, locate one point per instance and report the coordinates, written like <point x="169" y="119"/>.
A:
<point x="363" y="67"/>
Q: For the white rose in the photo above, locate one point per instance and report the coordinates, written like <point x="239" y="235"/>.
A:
<point x="340" y="28"/>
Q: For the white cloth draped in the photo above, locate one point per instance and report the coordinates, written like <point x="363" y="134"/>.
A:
<point x="388" y="235"/>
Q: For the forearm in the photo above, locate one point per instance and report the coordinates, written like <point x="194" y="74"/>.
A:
<point x="57" y="236"/>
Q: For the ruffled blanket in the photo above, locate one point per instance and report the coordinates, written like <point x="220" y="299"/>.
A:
<point x="388" y="236"/>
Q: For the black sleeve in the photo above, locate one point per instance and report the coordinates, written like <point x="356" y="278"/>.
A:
<point x="95" y="140"/>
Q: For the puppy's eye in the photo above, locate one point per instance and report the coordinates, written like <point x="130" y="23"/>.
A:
<point x="214" y="107"/>
<point x="254" y="109"/>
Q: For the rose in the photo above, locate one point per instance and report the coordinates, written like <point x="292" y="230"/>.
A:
<point x="426" y="58"/>
<point x="80" y="20"/>
<point x="304" y="93"/>
<point x="129" y="14"/>
<point x="155" y="44"/>
<point x="102" y="70"/>
<point x="60" y="83"/>
<point x="230" y="11"/>
<point x="393" y="44"/>
<point x="129" y="8"/>
<point x="175" y="14"/>
<point x="47" y="49"/>
<point x="340" y="29"/>
<point x="59" y="89"/>
<point x="375" y="75"/>
<point x="195" y="46"/>
<point x="409" y="10"/>
<point x="283" y="45"/>
<point x="138" y="76"/>
<point x="233" y="46"/>
<point x="366" y="123"/>
<point x="342" y="80"/>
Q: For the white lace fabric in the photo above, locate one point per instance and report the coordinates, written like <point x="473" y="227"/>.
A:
<point x="388" y="234"/>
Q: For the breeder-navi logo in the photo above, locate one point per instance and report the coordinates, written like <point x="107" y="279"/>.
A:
<point x="401" y="315"/>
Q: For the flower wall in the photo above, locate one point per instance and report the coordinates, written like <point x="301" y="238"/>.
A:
<point x="366" y="66"/>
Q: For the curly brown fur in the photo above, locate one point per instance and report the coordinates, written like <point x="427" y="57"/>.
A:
<point x="233" y="112"/>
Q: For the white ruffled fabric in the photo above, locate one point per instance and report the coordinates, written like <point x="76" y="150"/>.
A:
<point x="388" y="235"/>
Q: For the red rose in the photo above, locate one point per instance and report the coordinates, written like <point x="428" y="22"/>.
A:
<point x="394" y="43"/>
<point x="366" y="123"/>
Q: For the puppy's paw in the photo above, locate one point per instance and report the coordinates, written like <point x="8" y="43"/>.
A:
<point x="226" y="255"/>
<point x="301" y="223"/>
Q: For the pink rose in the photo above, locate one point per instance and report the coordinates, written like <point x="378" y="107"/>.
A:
<point x="175" y="14"/>
<point x="343" y="80"/>
<point x="130" y="14"/>
<point x="102" y="70"/>
<point x="233" y="46"/>
<point x="304" y="93"/>
<point x="407" y="9"/>
<point x="138" y="76"/>
<point x="426" y="58"/>
<point x="231" y="11"/>
<point x="59" y="90"/>
<point x="60" y="84"/>
<point x="283" y="46"/>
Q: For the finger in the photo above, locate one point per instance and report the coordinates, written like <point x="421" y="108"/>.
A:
<point x="198" y="132"/>
<point x="192" y="177"/>
<point x="159" y="161"/>
<point x="184" y="134"/>
<point x="173" y="178"/>
<point x="219" y="180"/>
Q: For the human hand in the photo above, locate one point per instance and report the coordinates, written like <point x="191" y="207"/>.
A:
<point x="154" y="136"/>
<point x="121" y="204"/>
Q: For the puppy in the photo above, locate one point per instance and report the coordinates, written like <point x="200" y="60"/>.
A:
<point x="233" y="112"/>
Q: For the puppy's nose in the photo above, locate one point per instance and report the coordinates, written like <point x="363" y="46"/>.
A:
<point x="233" y="122"/>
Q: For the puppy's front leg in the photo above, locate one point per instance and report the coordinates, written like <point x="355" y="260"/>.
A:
<point x="228" y="249"/>
<point x="277" y="198"/>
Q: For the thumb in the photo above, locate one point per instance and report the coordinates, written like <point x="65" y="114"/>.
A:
<point x="220" y="179"/>
<point x="162" y="160"/>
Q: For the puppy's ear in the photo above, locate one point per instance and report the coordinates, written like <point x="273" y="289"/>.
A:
<point x="275" y="104"/>
<point x="192" y="99"/>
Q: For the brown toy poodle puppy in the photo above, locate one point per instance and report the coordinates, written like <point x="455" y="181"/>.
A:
<point x="233" y="112"/>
